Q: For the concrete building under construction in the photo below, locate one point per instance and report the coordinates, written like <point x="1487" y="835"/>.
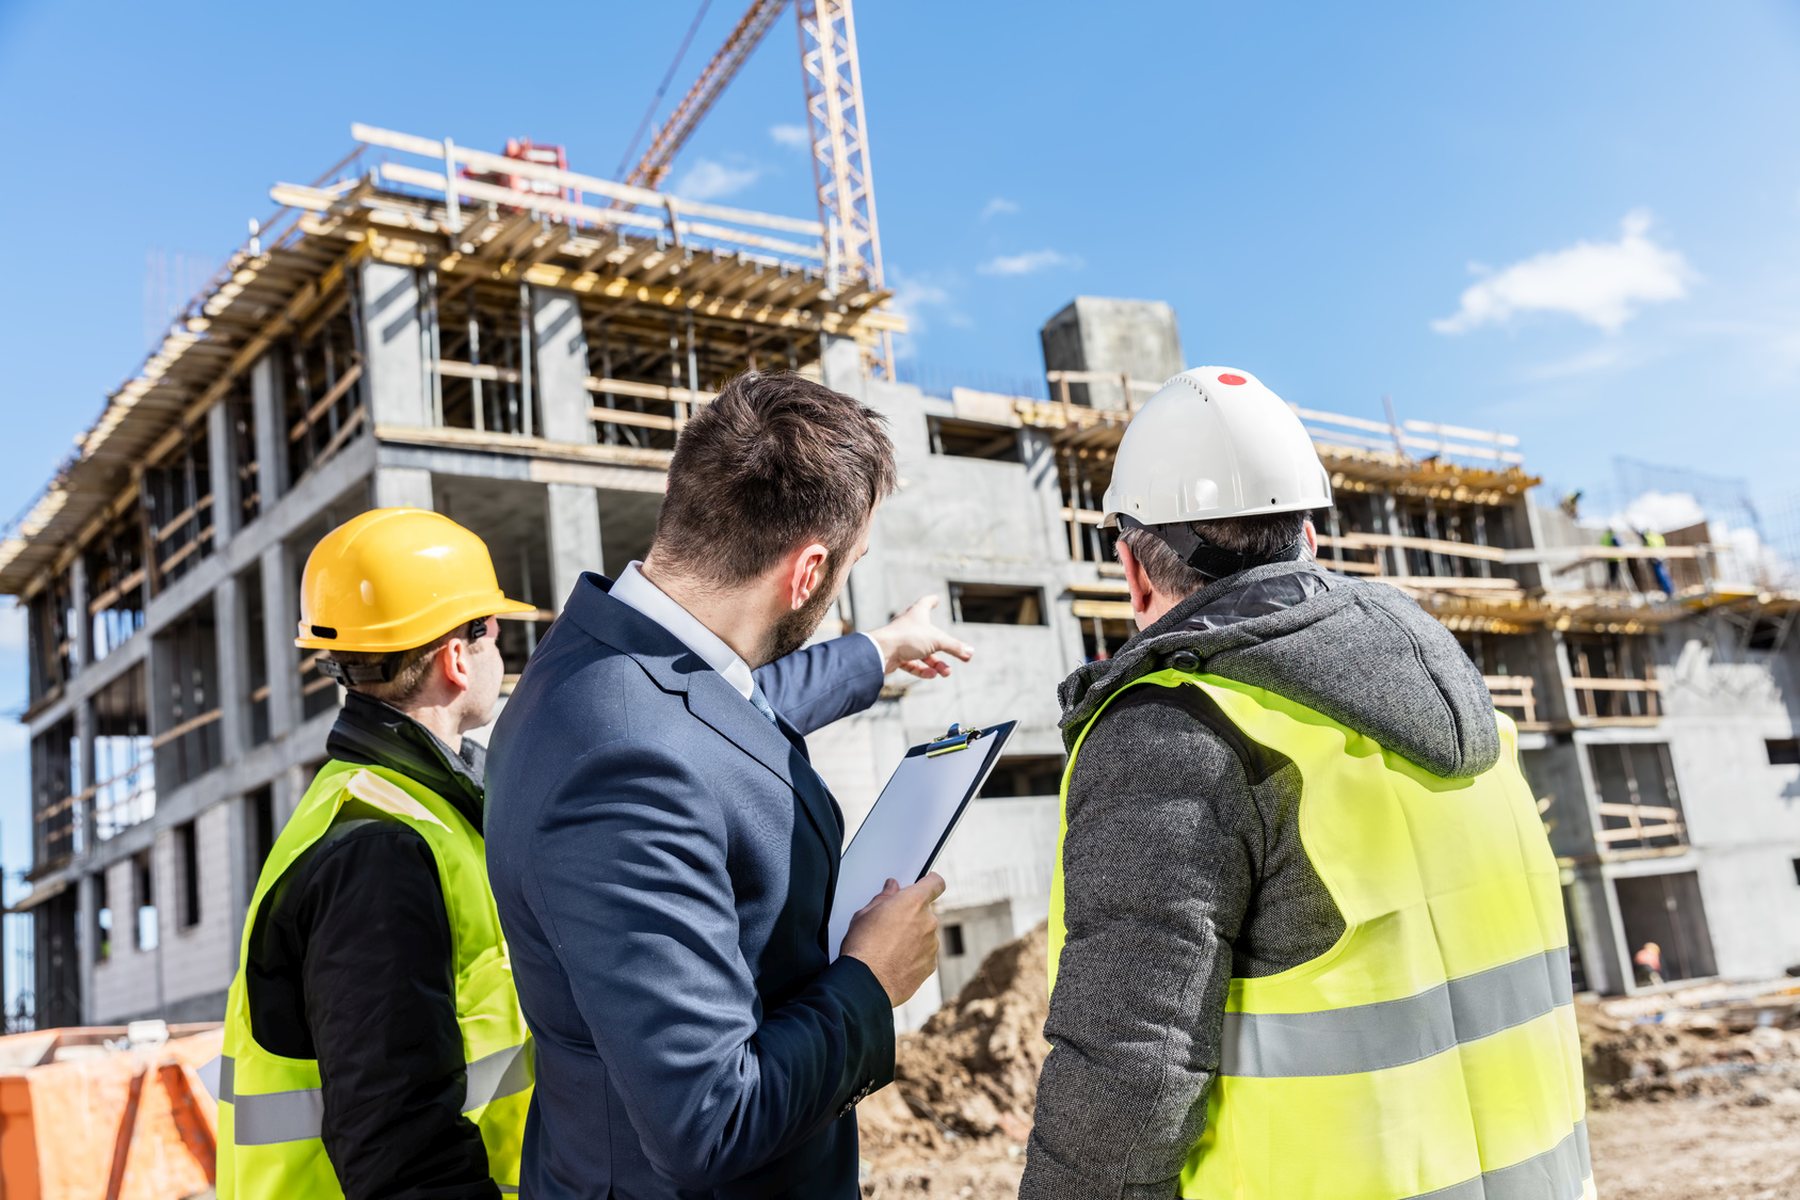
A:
<point x="517" y="346"/>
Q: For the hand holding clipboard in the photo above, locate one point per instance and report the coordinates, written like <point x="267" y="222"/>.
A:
<point x="913" y="818"/>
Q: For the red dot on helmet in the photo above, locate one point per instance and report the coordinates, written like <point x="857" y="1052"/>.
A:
<point x="1233" y="379"/>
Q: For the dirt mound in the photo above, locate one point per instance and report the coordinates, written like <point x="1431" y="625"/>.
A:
<point x="971" y="1072"/>
<point x="1747" y="1047"/>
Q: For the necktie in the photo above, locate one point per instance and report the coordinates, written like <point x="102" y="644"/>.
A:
<point x="762" y="704"/>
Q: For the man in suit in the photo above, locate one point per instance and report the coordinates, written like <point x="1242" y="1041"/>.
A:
<point x="662" y="852"/>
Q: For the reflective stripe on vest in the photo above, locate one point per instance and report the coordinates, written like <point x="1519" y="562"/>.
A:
<point x="271" y="1108"/>
<point x="1430" y="1053"/>
<point x="272" y="1117"/>
<point x="1392" y="1033"/>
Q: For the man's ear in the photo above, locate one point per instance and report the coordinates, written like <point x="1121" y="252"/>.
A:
<point x="1136" y="581"/>
<point x="807" y="574"/>
<point x="453" y="664"/>
<point x="1312" y="538"/>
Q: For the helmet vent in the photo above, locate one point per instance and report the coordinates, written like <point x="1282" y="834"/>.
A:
<point x="324" y="631"/>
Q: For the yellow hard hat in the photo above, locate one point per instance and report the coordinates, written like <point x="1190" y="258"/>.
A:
<point x="395" y="578"/>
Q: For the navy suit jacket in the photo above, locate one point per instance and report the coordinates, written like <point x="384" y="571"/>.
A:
<point x="664" y="860"/>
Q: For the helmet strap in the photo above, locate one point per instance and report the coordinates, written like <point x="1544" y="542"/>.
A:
<point x="350" y="674"/>
<point x="1212" y="561"/>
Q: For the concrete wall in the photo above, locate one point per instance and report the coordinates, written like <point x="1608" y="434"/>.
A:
<point x="1743" y="814"/>
<point x="969" y="520"/>
<point x="198" y="960"/>
<point x="130" y="979"/>
<point x="966" y="937"/>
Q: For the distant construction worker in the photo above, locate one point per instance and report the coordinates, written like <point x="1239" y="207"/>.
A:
<point x="1653" y="540"/>
<point x="373" y="1040"/>
<point x="1615" y="566"/>
<point x="1306" y="930"/>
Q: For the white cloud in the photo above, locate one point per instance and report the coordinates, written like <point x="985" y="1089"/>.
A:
<point x="1600" y="283"/>
<point x="709" y="179"/>
<point x="999" y="206"/>
<point x="1661" y="511"/>
<point x="794" y="137"/>
<point x="1028" y="263"/>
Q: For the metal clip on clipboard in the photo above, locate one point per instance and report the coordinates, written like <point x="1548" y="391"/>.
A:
<point x="953" y="740"/>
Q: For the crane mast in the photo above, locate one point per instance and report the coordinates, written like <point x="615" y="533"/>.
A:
<point x="842" y="176"/>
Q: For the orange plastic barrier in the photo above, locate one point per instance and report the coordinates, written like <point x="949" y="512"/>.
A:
<point x="80" y="1120"/>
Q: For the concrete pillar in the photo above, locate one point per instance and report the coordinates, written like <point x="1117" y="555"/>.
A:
<point x="238" y="881"/>
<point x="394" y="378"/>
<point x="221" y="469"/>
<point x="408" y="487"/>
<point x="87" y="949"/>
<point x="281" y="614"/>
<point x="285" y="791"/>
<point x="1390" y="511"/>
<point x="234" y="698"/>
<point x="841" y="365"/>
<point x="1592" y="912"/>
<point x="84" y="620"/>
<point x="1039" y="457"/>
<point x="1566" y="695"/>
<point x="572" y="513"/>
<point x="267" y="405"/>
<point x="562" y="366"/>
<point x="84" y="768"/>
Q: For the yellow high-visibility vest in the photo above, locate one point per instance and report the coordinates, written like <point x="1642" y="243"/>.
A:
<point x="1432" y="1051"/>
<point x="271" y="1107"/>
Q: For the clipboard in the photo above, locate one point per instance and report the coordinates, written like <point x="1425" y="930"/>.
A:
<point x="913" y="817"/>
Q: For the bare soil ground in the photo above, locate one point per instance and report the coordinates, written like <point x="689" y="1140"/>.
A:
<point x="1689" y="1149"/>
<point x="1697" y="1148"/>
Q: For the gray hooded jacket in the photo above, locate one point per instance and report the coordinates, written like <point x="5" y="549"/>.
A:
<point x="1183" y="865"/>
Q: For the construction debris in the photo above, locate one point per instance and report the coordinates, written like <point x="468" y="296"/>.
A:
<point x="1736" y="1041"/>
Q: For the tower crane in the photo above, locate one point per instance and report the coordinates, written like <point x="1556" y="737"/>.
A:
<point x="838" y="133"/>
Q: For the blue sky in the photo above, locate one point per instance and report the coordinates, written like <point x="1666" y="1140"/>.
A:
<point x="1315" y="189"/>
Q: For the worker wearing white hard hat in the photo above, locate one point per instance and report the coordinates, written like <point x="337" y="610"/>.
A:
<point x="1306" y="933"/>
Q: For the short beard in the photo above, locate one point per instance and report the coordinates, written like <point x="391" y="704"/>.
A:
<point x="796" y="626"/>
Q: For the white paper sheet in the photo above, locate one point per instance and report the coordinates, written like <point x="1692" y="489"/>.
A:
<point x="913" y="814"/>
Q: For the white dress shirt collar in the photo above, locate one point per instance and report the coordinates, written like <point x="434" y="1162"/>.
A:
<point x="633" y="589"/>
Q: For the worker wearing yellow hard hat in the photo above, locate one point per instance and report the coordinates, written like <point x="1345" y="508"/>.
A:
<point x="373" y="1040"/>
<point x="1306" y="930"/>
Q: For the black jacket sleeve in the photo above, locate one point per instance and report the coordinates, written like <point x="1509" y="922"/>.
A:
<point x="380" y="1005"/>
<point x="1164" y="838"/>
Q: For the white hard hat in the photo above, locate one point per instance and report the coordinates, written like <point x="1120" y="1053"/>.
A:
<point x="1213" y="442"/>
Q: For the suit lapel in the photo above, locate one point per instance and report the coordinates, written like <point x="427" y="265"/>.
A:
<point x="721" y="706"/>
<point x="675" y="668"/>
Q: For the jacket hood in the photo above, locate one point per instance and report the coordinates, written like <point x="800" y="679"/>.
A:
<point x="1364" y="654"/>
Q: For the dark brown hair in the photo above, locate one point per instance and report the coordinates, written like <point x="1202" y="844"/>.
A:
<point x="775" y="461"/>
